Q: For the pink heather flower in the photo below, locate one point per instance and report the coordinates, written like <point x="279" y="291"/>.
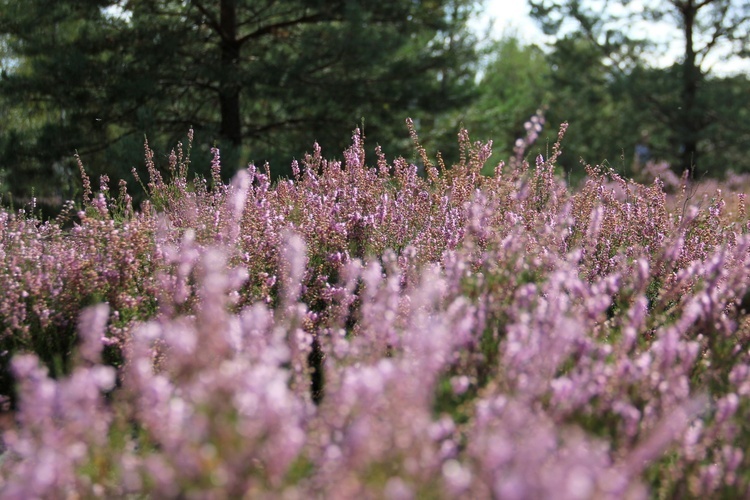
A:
<point x="460" y="384"/>
<point x="294" y="261"/>
<point x="92" y="326"/>
<point x="483" y="336"/>
<point x="216" y="167"/>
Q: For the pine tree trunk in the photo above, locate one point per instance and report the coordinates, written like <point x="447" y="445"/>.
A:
<point x="229" y="90"/>
<point x="690" y="125"/>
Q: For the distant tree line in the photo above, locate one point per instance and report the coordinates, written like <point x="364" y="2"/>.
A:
<point x="608" y="110"/>
<point x="264" y="80"/>
<point x="690" y="110"/>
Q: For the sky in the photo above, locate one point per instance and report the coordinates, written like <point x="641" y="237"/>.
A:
<point x="512" y="17"/>
<point x="508" y="16"/>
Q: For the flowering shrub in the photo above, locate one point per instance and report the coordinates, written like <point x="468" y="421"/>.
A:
<point x="360" y="330"/>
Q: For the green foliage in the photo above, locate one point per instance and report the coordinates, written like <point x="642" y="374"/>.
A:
<point x="261" y="80"/>
<point x="515" y="82"/>
<point x="602" y="124"/>
<point x="726" y="138"/>
<point x="679" y="100"/>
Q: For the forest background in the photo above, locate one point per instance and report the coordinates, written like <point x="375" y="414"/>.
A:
<point x="265" y="80"/>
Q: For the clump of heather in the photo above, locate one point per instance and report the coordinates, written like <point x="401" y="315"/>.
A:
<point x="363" y="330"/>
<point x="51" y="270"/>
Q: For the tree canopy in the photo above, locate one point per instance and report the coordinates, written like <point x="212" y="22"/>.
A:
<point x="264" y="80"/>
<point x="261" y="79"/>
<point x="707" y="27"/>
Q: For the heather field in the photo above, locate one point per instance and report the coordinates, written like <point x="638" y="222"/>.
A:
<point x="364" y="331"/>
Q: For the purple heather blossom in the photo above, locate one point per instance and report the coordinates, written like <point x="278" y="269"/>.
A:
<point x="362" y="331"/>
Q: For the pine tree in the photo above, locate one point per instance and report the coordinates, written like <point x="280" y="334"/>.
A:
<point x="263" y="80"/>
